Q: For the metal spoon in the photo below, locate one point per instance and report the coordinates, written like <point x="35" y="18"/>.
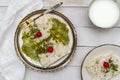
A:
<point x="50" y="9"/>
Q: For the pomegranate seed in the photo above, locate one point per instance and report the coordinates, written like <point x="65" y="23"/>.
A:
<point x="38" y="34"/>
<point x="50" y="49"/>
<point x="106" y="65"/>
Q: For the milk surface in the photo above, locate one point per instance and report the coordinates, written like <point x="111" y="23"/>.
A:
<point x="104" y="13"/>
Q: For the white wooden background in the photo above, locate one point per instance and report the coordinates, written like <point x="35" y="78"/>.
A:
<point x="88" y="37"/>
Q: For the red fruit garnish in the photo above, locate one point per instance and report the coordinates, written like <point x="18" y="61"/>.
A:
<point x="106" y="65"/>
<point x="50" y="49"/>
<point x="38" y="34"/>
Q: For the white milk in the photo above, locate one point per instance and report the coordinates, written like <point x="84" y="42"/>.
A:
<point x="104" y="13"/>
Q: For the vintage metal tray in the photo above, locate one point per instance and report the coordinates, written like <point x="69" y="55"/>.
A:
<point x="52" y="68"/>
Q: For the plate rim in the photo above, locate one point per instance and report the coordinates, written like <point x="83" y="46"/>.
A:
<point x="90" y="52"/>
<point x="61" y="65"/>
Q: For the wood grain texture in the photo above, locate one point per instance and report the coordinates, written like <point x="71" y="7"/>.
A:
<point x="2" y="12"/>
<point x="97" y="36"/>
<point x="68" y="2"/>
<point x="51" y="2"/>
<point x="88" y="37"/>
<point x="69" y="73"/>
<point x="4" y="2"/>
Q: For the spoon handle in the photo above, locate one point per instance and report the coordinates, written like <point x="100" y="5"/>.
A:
<point x="53" y="7"/>
<point x="50" y="9"/>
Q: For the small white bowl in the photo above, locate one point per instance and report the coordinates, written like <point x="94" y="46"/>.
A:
<point x="104" y="13"/>
<point x="99" y="51"/>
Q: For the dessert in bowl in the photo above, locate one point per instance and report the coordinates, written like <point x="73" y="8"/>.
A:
<point x="46" y="43"/>
<point x="102" y="63"/>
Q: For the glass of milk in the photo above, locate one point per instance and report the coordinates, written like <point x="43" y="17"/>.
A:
<point x="104" y="13"/>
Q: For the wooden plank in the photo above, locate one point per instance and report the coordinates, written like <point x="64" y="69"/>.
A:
<point x="2" y="12"/>
<point x="68" y="2"/>
<point x="96" y="36"/>
<point x="77" y="15"/>
<point x="79" y="56"/>
<point x="87" y="35"/>
<point x="51" y="2"/>
<point x="81" y="3"/>
<point x="4" y="2"/>
<point x="69" y="73"/>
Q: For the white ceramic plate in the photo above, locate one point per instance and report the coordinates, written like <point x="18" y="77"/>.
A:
<point x="98" y="51"/>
